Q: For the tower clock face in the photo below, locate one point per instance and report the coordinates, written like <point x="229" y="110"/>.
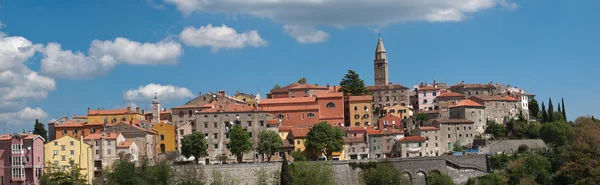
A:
<point x="155" y="107"/>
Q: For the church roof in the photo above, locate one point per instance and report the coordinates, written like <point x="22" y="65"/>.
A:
<point x="380" y="47"/>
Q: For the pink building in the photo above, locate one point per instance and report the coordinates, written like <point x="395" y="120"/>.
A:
<point x="22" y="158"/>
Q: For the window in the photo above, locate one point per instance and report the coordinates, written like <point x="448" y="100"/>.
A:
<point x="251" y="135"/>
<point x="330" y="105"/>
<point x="162" y="137"/>
<point x="190" y="113"/>
<point x="297" y="142"/>
<point x="63" y="158"/>
<point x="366" y="116"/>
<point x="55" y="143"/>
<point x="180" y="114"/>
<point x="280" y="116"/>
<point x="216" y="146"/>
<point x="215" y="135"/>
<point x="97" y="151"/>
<point x="249" y="123"/>
<point x="436" y="138"/>
<point x="355" y="108"/>
<point x="449" y="145"/>
<point x="392" y="111"/>
<point x="357" y="124"/>
<point x="108" y="143"/>
<point x="215" y="125"/>
<point x="180" y="132"/>
<point x="205" y="124"/>
<point x="434" y="93"/>
<point x="387" y="98"/>
<point x="448" y="135"/>
<point x="206" y="136"/>
<point x="72" y="152"/>
<point x="72" y="143"/>
<point x="374" y="140"/>
<point x="424" y="101"/>
<point x="109" y="151"/>
<point x="262" y="123"/>
<point x="93" y="130"/>
<point x="356" y="116"/>
<point x="62" y="147"/>
<point x="310" y="115"/>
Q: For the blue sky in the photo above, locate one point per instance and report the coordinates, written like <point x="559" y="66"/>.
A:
<point x="547" y="48"/>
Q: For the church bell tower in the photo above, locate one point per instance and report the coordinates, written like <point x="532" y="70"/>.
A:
<point x="155" y="110"/>
<point x="381" y="64"/>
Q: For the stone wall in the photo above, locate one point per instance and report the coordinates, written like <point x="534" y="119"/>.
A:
<point x="460" y="168"/>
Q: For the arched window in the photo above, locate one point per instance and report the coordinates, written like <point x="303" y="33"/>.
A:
<point x="366" y="116"/>
<point x="310" y="115"/>
<point x="190" y="113"/>
<point x="392" y="111"/>
<point x="356" y="116"/>
<point x="472" y="113"/>
<point x="180" y="114"/>
<point x="330" y="105"/>
<point x="280" y="116"/>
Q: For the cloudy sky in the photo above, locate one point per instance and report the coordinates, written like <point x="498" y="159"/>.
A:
<point x="58" y="59"/>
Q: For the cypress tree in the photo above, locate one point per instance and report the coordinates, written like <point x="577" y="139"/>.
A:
<point x="564" y="113"/>
<point x="544" y="114"/>
<point x="593" y="119"/>
<point x="285" y="176"/>
<point x="559" y="112"/>
<point x="550" y="110"/>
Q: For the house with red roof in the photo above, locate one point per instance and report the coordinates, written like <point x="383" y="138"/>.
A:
<point x="426" y="95"/>
<point x="306" y="111"/>
<point x="445" y="100"/>
<point x="412" y="146"/>
<point x="499" y="108"/>
<point x="22" y="158"/>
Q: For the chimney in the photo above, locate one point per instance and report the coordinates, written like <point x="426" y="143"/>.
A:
<point x="142" y="111"/>
<point x="200" y="93"/>
<point x="88" y="110"/>
<point x="222" y="92"/>
<point x="131" y="122"/>
<point x="334" y="88"/>
<point x="327" y="84"/>
<point x="128" y="109"/>
<point x="462" y="82"/>
<point x="422" y="84"/>
<point x="98" y="110"/>
<point x="29" y="132"/>
<point x="137" y="110"/>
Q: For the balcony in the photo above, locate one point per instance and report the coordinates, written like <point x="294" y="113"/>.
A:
<point x="413" y="149"/>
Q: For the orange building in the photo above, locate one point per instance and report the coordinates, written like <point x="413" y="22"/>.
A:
<point x="306" y="111"/>
<point x="75" y="129"/>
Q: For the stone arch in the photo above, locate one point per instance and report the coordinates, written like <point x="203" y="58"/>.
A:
<point x="420" y="177"/>
<point x="406" y="175"/>
<point x="434" y="171"/>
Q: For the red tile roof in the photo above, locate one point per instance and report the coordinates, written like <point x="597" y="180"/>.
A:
<point x="467" y="103"/>
<point x="360" y="98"/>
<point x="110" y="112"/>
<point x="442" y="121"/>
<point x="451" y="94"/>
<point x="495" y="98"/>
<point x="473" y="86"/>
<point x="288" y="100"/>
<point x="272" y="122"/>
<point x="290" y="108"/>
<point x="7" y="137"/>
<point x="309" y="86"/>
<point x="230" y="108"/>
<point x="109" y="135"/>
<point x="299" y="132"/>
<point x="424" y="128"/>
<point x="354" y="139"/>
<point x="124" y="144"/>
<point x="411" y="139"/>
<point x="285" y="128"/>
<point x="71" y="124"/>
<point x="286" y="88"/>
<point x="428" y="88"/>
<point x="330" y="95"/>
<point x="208" y="105"/>
<point x="386" y="87"/>
<point x="384" y="132"/>
<point x="79" y="117"/>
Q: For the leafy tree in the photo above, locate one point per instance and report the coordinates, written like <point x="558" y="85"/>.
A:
<point x="496" y="178"/>
<point x="160" y="173"/>
<point x="286" y="173"/>
<point x="532" y="166"/>
<point x="124" y="173"/>
<point x="497" y="130"/>
<point x="544" y="113"/>
<point x="534" y="107"/>
<point x="220" y="178"/>
<point x="307" y="173"/>
<point x="421" y="117"/>
<point x="523" y="148"/>
<point x="580" y="159"/>
<point x="302" y="80"/>
<point x="439" y="179"/>
<point x="299" y="156"/>
<point x="239" y="142"/>
<point x="276" y="87"/>
<point x="324" y="138"/>
<point x="499" y="162"/>
<point x="550" y="110"/>
<point x="194" y="145"/>
<point x="39" y="129"/>
<point x="556" y="133"/>
<point x="351" y="83"/>
<point x="564" y="112"/>
<point x="559" y="111"/>
<point x="54" y="175"/>
<point x="383" y="173"/>
<point x="269" y="143"/>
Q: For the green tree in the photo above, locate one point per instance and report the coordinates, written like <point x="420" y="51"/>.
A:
<point x="531" y="166"/>
<point x="239" y="142"/>
<point x="550" y="110"/>
<point x="299" y="156"/>
<point x="194" y="145"/>
<point x="556" y="133"/>
<point x="307" y="173"/>
<point x="383" y="173"/>
<point x="124" y="173"/>
<point x="499" y="162"/>
<point x="302" y="81"/>
<point x="496" y="178"/>
<point x="276" y="87"/>
<point x="324" y="139"/>
<point x="421" y="117"/>
<point x="534" y="107"/>
<point x="523" y="148"/>
<point x="159" y="174"/>
<point x="54" y="175"/>
<point x="497" y="130"/>
<point x="579" y="159"/>
<point x="39" y="129"/>
<point x="286" y="173"/>
<point x="564" y="112"/>
<point x="544" y="113"/>
<point x="220" y="178"/>
<point x="269" y="143"/>
<point x="189" y="175"/>
<point x="439" y="179"/>
<point x="351" y="83"/>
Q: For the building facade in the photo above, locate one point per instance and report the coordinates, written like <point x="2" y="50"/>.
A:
<point x="62" y="151"/>
<point x="113" y="116"/>
<point x="412" y="146"/>
<point x="166" y="137"/>
<point x="306" y="111"/>
<point x="22" y="158"/>
<point x="389" y="95"/>
<point x="380" y="64"/>
<point x="185" y="113"/>
<point x="104" y="149"/>
<point x="400" y="111"/>
<point x="145" y="139"/>
<point x="356" y="148"/>
<point x="446" y="100"/>
<point x="359" y="112"/>
<point x="499" y="108"/>
<point x="468" y="109"/>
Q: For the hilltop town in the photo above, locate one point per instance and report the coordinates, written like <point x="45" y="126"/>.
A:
<point x="382" y="121"/>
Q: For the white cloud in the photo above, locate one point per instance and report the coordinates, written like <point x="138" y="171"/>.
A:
<point x="146" y="93"/>
<point x="104" y="56"/>
<point x="220" y="37"/>
<point x="306" y="35"/>
<point x="26" y="116"/>
<point x="155" y="5"/>
<point x="344" y="12"/>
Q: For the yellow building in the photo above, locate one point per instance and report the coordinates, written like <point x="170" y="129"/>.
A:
<point x="62" y="150"/>
<point x="166" y="137"/>
<point x="359" y="111"/>
<point x="399" y="111"/>
<point x="114" y="116"/>
<point x="250" y="99"/>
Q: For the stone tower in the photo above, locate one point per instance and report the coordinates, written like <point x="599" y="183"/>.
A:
<point x="381" y="64"/>
<point x="155" y="110"/>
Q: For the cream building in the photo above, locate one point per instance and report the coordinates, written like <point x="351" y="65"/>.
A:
<point x="61" y="151"/>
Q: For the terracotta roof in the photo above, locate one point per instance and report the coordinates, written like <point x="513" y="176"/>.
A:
<point x="360" y="98"/>
<point x="430" y="112"/>
<point x="208" y="105"/>
<point x="467" y="103"/>
<point x="286" y="88"/>
<point x="473" y="86"/>
<point x="290" y="108"/>
<point x="161" y="112"/>
<point x="411" y="139"/>
<point x="109" y="135"/>
<point x="285" y="128"/>
<point x="452" y="121"/>
<point x="354" y="139"/>
<point x="423" y="128"/>
<point x="71" y="124"/>
<point x="111" y="112"/>
<point x="309" y="86"/>
<point x="495" y="98"/>
<point x="386" y="87"/>
<point x="428" y="88"/>
<point x="7" y="137"/>
<point x="384" y="132"/>
<point x="288" y="100"/>
<point x="124" y="144"/>
<point x="299" y="132"/>
<point x="230" y="108"/>
<point x="94" y="123"/>
<point x="330" y="95"/>
<point x="451" y="94"/>
<point x="79" y="117"/>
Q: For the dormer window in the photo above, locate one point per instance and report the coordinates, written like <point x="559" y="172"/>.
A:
<point x="330" y="105"/>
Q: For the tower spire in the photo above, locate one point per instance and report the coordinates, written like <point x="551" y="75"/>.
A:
<point x="380" y="48"/>
<point x="380" y="64"/>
